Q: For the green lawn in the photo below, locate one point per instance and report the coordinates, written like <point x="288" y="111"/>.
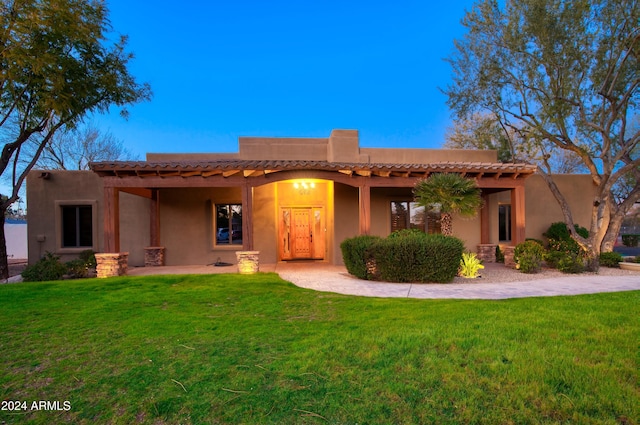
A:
<point x="256" y="349"/>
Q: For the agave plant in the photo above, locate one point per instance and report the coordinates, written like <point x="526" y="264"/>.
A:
<point x="470" y="264"/>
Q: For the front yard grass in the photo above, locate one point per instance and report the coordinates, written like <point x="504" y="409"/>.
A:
<point x="255" y="349"/>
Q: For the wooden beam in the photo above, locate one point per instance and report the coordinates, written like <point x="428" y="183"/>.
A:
<point x="247" y="218"/>
<point x="154" y="218"/>
<point x="230" y="173"/>
<point x="364" y="197"/>
<point x="138" y="191"/>
<point x="518" y="229"/>
<point x="111" y="217"/>
<point x="485" y="220"/>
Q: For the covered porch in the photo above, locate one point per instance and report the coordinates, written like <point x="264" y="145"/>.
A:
<point x="248" y="178"/>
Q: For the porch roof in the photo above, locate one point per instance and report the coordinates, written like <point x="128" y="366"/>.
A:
<point x="254" y="168"/>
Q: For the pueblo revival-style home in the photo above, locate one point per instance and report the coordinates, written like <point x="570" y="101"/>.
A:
<point x="288" y="198"/>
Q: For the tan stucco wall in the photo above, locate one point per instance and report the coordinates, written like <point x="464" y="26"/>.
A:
<point x="44" y="197"/>
<point x="340" y="146"/>
<point x="542" y="209"/>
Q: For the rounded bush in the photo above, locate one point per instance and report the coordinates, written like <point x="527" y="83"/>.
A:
<point x="610" y="259"/>
<point x="355" y="255"/>
<point x="528" y="256"/>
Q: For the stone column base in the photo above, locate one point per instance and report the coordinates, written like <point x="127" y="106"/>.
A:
<point x="109" y="265"/>
<point x="487" y="252"/>
<point x="508" y="256"/>
<point x="248" y="262"/>
<point x="154" y="256"/>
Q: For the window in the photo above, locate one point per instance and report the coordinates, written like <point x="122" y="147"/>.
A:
<point x="504" y="222"/>
<point x="409" y="215"/>
<point x="228" y="229"/>
<point x="77" y="226"/>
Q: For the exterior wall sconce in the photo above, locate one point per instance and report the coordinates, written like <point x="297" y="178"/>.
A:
<point x="303" y="187"/>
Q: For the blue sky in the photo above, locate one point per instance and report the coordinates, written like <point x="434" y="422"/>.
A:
<point x="224" y="69"/>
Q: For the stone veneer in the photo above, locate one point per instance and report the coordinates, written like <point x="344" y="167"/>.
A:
<point x="248" y="262"/>
<point x="154" y="256"/>
<point x="508" y="256"/>
<point x="487" y="252"/>
<point x="109" y="265"/>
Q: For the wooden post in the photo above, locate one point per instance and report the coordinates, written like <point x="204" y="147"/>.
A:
<point x="247" y="217"/>
<point x="364" y="195"/>
<point x="518" y="229"/>
<point x="111" y="212"/>
<point x="485" y="234"/>
<point x="154" y="218"/>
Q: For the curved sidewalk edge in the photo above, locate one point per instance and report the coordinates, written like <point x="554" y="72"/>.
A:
<point x="342" y="283"/>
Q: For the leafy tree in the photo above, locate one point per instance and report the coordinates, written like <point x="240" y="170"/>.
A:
<point x="75" y="148"/>
<point x="486" y="131"/>
<point x="57" y="66"/>
<point x="448" y="194"/>
<point x="565" y="76"/>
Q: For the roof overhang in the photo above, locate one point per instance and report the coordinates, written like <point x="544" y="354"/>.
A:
<point x="256" y="168"/>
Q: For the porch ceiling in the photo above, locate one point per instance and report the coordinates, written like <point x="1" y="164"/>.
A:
<point x="255" y="168"/>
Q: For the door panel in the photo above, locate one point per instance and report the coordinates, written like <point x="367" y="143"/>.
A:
<point x="301" y="233"/>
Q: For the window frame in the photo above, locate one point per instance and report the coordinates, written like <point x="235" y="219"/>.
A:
<point x="507" y="223"/>
<point x="59" y="205"/>
<point x="230" y="244"/>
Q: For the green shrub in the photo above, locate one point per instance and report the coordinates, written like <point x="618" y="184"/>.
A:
<point x="528" y="256"/>
<point x="48" y="267"/>
<point x="564" y="253"/>
<point x="630" y="240"/>
<point x="559" y="231"/>
<point x="403" y="233"/>
<point x="79" y="268"/>
<point x="417" y="257"/>
<point x="355" y="254"/>
<point x="570" y="262"/>
<point x="610" y="259"/>
<point x="499" y="255"/>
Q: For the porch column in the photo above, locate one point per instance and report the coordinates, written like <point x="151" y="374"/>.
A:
<point x="111" y="213"/>
<point x="364" y="195"/>
<point x="485" y="234"/>
<point x="517" y="215"/>
<point x="154" y="218"/>
<point x="247" y="217"/>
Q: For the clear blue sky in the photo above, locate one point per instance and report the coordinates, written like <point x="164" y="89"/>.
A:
<point x="224" y="69"/>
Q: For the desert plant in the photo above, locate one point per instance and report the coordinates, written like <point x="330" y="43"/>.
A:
<point x="47" y="268"/>
<point x="610" y="259"/>
<point x="449" y="194"/>
<point x="528" y="256"/>
<point x="470" y="264"/>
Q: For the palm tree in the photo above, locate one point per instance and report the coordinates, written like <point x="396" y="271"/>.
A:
<point x="448" y="193"/>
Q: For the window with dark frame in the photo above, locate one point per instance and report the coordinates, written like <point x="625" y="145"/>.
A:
<point x="410" y="215"/>
<point x="504" y="222"/>
<point x="77" y="226"/>
<point x="228" y="224"/>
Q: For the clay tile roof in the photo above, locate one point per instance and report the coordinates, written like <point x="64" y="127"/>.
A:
<point x="249" y="168"/>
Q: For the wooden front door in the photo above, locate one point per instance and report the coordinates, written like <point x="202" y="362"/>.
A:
<point x="301" y="232"/>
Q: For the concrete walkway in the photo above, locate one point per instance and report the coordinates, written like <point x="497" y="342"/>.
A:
<point x="328" y="278"/>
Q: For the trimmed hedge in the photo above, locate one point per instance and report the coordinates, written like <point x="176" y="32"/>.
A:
<point x="405" y="256"/>
<point x="355" y="256"/>
<point x="610" y="259"/>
